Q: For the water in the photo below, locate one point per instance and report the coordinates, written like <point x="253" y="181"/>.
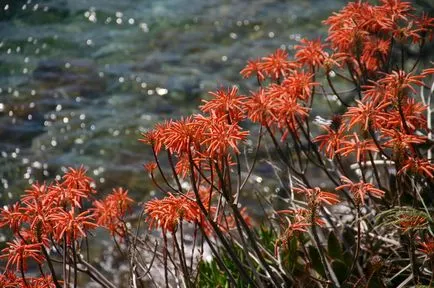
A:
<point x="80" y="79"/>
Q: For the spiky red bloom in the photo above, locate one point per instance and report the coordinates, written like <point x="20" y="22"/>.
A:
<point x="166" y="213"/>
<point x="411" y="222"/>
<point x="253" y="67"/>
<point x="277" y="65"/>
<point x="311" y="53"/>
<point x="293" y="228"/>
<point x="154" y="137"/>
<point x="302" y="215"/>
<point x="261" y="107"/>
<point x="12" y="216"/>
<point x="367" y="114"/>
<point x="109" y="213"/>
<point x="225" y="103"/>
<point x="360" y="190"/>
<point x="401" y="142"/>
<point x="72" y="226"/>
<point x="150" y="166"/>
<point x="77" y="179"/>
<point x="316" y="196"/>
<point x="220" y="137"/>
<point x="360" y="148"/>
<point x="330" y="142"/>
<point x="418" y="166"/>
<point x="18" y="253"/>
<point x="299" y="85"/>
<point x="178" y="136"/>
<point x="427" y="247"/>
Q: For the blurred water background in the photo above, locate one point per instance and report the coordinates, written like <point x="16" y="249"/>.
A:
<point x="80" y="79"/>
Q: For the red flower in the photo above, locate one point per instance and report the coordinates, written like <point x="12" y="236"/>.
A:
<point x="317" y="197"/>
<point x="166" y="213"/>
<point x="253" y="67"/>
<point x="277" y="64"/>
<point x="360" y="148"/>
<point x="368" y="115"/>
<point x="150" y="166"/>
<point x="298" y="85"/>
<point x="427" y="248"/>
<point x="225" y="103"/>
<point x="77" y="179"/>
<point x="292" y="229"/>
<point x="110" y="211"/>
<point x="261" y="107"/>
<point x="360" y="190"/>
<point x="311" y="53"/>
<point x="219" y="137"/>
<point x="408" y="222"/>
<point x="178" y="136"/>
<point x="418" y="166"/>
<point x="18" y="253"/>
<point x="399" y="141"/>
<point x="331" y="141"/>
<point x="72" y="226"/>
<point x="12" y="217"/>
<point x="154" y="137"/>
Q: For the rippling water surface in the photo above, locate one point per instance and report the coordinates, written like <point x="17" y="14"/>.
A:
<point x="80" y="79"/>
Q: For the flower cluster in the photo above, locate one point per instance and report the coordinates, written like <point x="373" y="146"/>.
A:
<point x="55" y="216"/>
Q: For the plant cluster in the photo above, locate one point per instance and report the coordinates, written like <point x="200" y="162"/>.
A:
<point x="374" y="155"/>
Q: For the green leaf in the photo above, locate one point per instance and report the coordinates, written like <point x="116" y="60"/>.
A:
<point x="316" y="261"/>
<point x="340" y="269"/>
<point x="334" y="247"/>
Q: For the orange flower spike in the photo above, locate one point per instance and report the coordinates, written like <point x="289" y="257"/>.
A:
<point x="414" y="114"/>
<point x="409" y="222"/>
<point x="360" y="148"/>
<point x="302" y="215"/>
<point x="360" y="190"/>
<point x="400" y="141"/>
<point x="9" y="280"/>
<point x="121" y="201"/>
<point x="311" y="53"/>
<point x="290" y="231"/>
<point x="427" y="247"/>
<point x="367" y="114"/>
<point x="425" y="25"/>
<point x="110" y="211"/>
<point x="154" y="137"/>
<point x="38" y="192"/>
<point x="150" y="167"/>
<point x="167" y="212"/>
<point x="226" y="103"/>
<point x="72" y="226"/>
<point x="182" y="167"/>
<point x="66" y="196"/>
<point x="418" y="166"/>
<point x="18" y="253"/>
<point x="179" y="135"/>
<point x="398" y="81"/>
<point x="220" y="137"/>
<point x="261" y="107"/>
<point x="375" y="53"/>
<point x="299" y="84"/>
<point x="40" y="282"/>
<point x="396" y="9"/>
<point x="12" y="216"/>
<point x="77" y="179"/>
<point x="317" y="197"/>
<point x="253" y="67"/>
<point x="331" y="141"/>
<point x="277" y="64"/>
